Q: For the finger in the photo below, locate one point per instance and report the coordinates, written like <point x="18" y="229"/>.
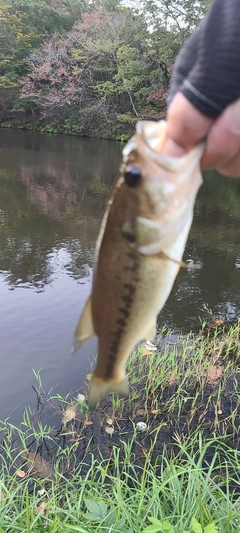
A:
<point x="223" y="143"/>
<point x="232" y="168"/>
<point x="186" y="126"/>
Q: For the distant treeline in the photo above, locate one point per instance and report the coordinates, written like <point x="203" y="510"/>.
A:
<point x="86" y="67"/>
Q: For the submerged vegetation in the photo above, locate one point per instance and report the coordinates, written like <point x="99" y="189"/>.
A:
<point x="90" y="68"/>
<point x="166" y="459"/>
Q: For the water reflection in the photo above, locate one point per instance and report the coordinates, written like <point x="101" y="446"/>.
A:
<point x="214" y="241"/>
<point x="53" y="192"/>
<point x="52" y="196"/>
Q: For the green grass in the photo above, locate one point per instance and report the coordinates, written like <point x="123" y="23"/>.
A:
<point x="180" y="475"/>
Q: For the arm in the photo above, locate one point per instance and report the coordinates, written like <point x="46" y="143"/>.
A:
<point x="206" y="79"/>
<point x="207" y="70"/>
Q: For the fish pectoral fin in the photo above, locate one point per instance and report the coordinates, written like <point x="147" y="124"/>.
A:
<point x="151" y="332"/>
<point x="84" y="330"/>
<point x="99" y="388"/>
<point x="182" y="264"/>
<point x="146" y="236"/>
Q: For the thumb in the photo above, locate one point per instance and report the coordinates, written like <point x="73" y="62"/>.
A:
<point x="186" y="126"/>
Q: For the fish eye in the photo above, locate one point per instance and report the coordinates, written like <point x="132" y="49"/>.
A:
<point x="132" y="176"/>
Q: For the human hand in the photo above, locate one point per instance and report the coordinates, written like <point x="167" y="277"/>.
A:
<point x="186" y="126"/>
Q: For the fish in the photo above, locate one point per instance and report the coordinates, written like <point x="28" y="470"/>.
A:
<point x="138" y="253"/>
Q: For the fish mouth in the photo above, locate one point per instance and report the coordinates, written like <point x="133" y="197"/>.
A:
<point x="151" y="136"/>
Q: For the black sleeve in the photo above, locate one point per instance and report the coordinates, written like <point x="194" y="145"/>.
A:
<point x="207" y="69"/>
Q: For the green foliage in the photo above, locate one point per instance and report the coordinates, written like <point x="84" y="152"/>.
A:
<point x="72" y="124"/>
<point x="99" y="512"/>
<point x="126" y="118"/>
<point x="158" y="526"/>
<point x="49" y="128"/>
<point x="83" y="66"/>
<point x="38" y="15"/>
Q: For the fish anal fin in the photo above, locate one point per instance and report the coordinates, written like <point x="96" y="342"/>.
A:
<point x="151" y="332"/>
<point x="84" y="330"/>
<point x="99" y="388"/>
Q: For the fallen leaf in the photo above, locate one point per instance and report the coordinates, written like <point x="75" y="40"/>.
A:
<point x="109" y="430"/>
<point x="150" y="346"/>
<point x="37" y="465"/>
<point x="214" y="372"/>
<point x="41" y="492"/>
<point x="109" y="421"/>
<point x="218" y="408"/>
<point x="69" y="414"/>
<point x="146" y="352"/>
<point x="73" y="440"/>
<point x="42" y="507"/>
<point x="21" y="473"/>
<point x="217" y="322"/>
<point x="154" y="411"/>
<point x="172" y="379"/>
<point x="141" y="412"/>
<point x="141" y="426"/>
<point x="88" y="423"/>
<point x="81" y="397"/>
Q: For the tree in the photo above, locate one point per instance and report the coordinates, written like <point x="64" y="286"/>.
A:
<point x="105" y="65"/>
<point x="171" y="22"/>
<point x="24" y="24"/>
<point x="90" y="66"/>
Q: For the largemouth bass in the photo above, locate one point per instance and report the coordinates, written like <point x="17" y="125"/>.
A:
<point x="138" y="253"/>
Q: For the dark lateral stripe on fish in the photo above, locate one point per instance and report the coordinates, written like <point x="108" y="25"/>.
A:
<point x="124" y="311"/>
<point x="121" y="322"/>
<point x="113" y="353"/>
<point x="131" y="255"/>
<point x="130" y="287"/>
<point x="109" y="371"/>
<point x="132" y="270"/>
<point x="111" y="363"/>
<point x="129" y="268"/>
<point x="128" y="299"/>
<point x="118" y="333"/>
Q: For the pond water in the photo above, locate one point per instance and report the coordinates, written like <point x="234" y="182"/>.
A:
<point x="53" y="192"/>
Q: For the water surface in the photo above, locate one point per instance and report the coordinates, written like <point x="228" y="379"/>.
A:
<point x="53" y="192"/>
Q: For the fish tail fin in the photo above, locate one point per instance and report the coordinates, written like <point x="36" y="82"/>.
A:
<point x="100" y="388"/>
<point x="84" y="330"/>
